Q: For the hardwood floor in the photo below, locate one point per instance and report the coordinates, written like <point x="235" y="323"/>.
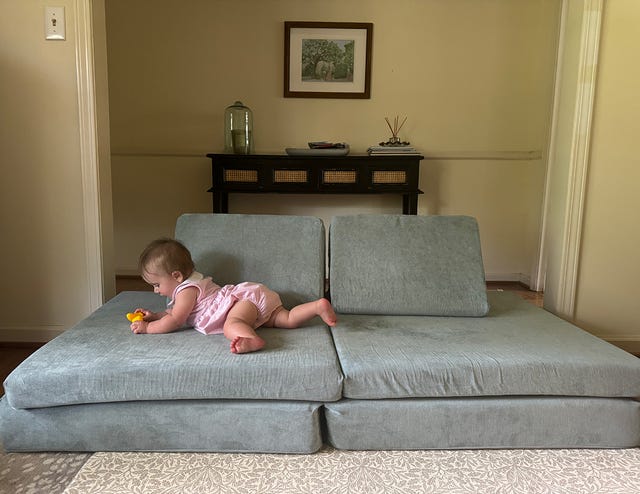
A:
<point x="519" y="289"/>
<point x="12" y="354"/>
<point x="131" y="283"/>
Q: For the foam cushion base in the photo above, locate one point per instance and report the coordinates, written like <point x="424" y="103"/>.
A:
<point x="176" y="425"/>
<point x="484" y="423"/>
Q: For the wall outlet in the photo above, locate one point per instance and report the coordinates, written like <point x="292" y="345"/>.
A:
<point x="54" y="26"/>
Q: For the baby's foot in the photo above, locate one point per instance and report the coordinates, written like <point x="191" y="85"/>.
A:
<point x="245" y="345"/>
<point x="326" y="312"/>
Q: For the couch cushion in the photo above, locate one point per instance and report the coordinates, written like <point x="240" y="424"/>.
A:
<point x="518" y="349"/>
<point x="101" y="360"/>
<point x="175" y="425"/>
<point x="406" y="265"/>
<point x="286" y="253"/>
<point x="484" y="422"/>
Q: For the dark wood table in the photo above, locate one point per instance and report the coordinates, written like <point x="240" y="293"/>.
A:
<point x="351" y="174"/>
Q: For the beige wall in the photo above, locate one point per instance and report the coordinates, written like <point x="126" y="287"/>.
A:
<point x="609" y="269"/>
<point x="42" y="251"/>
<point x="474" y="78"/>
<point x="41" y="207"/>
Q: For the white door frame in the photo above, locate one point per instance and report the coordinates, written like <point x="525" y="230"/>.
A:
<point x="85" y="74"/>
<point x="568" y="240"/>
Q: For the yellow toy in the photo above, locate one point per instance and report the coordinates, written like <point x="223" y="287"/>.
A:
<point x="135" y="316"/>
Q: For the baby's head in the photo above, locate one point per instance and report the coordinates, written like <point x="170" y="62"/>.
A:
<point x="166" y="256"/>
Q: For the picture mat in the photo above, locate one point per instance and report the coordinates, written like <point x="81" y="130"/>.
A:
<point x="297" y="35"/>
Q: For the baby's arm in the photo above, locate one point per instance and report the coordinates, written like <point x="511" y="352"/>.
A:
<point x="150" y="316"/>
<point x="172" y="319"/>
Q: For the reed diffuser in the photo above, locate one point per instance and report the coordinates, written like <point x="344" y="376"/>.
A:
<point x="394" y="140"/>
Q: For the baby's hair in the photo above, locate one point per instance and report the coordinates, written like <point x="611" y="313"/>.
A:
<point x="167" y="254"/>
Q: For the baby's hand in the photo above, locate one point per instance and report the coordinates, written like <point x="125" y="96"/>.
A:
<point x="148" y="315"/>
<point x="135" y="316"/>
<point x="139" y="327"/>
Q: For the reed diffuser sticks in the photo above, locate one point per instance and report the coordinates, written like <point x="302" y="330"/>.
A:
<point x="396" y="128"/>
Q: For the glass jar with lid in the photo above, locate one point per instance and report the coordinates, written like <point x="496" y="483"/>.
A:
<point x="238" y="129"/>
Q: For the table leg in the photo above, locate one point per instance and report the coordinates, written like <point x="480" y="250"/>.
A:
<point x="220" y="202"/>
<point x="409" y="203"/>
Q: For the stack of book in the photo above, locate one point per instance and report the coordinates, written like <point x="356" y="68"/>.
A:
<point x="392" y="151"/>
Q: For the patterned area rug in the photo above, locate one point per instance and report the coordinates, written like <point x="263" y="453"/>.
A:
<point x="35" y="473"/>
<point x="370" y="472"/>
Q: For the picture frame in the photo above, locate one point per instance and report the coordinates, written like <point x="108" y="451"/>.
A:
<point x="327" y="59"/>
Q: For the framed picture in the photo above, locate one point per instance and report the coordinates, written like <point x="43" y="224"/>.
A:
<point x="327" y="59"/>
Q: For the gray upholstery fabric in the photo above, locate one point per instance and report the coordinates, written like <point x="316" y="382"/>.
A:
<point x="518" y="349"/>
<point x="415" y="375"/>
<point x="500" y="422"/>
<point x="406" y="265"/>
<point x="101" y="360"/>
<point x="286" y="253"/>
<point x="175" y="425"/>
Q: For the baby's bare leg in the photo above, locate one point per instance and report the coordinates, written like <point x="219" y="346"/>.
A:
<point x="300" y="314"/>
<point x="239" y="328"/>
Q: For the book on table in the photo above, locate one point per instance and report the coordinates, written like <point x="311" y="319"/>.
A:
<point x="392" y="150"/>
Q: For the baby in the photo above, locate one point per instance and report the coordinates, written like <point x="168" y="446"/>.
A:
<point x="195" y="300"/>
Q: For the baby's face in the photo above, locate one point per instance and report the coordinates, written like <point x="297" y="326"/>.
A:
<point x="162" y="283"/>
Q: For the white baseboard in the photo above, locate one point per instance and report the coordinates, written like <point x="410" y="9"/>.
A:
<point x="30" y="335"/>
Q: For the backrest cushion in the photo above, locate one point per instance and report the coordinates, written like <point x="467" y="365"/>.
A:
<point x="406" y="265"/>
<point x="286" y="253"/>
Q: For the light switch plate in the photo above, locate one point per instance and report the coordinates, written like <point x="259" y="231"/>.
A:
<point x="54" y="25"/>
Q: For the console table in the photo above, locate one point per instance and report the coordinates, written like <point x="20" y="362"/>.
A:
<point x="351" y="174"/>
